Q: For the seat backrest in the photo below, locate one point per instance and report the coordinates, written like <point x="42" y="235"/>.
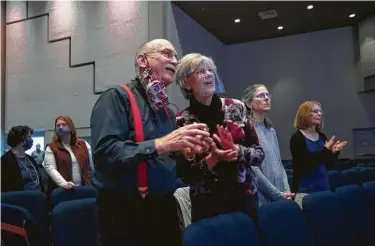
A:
<point x="343" y="164"/>
<point x="335" y="179"/>
<point x="367" y="174"/>
<point x="73" y="223"/>
<point x="223" y="230"/>
<point x="327" y="219"/>
<point x="283" y="224"/>
<point x="16" y="226"/>
<point x="361" y="215"/>
<point x="351" y="176"/>
<point x="369" y="189"/>
<point x="289" y="171"/>
<point x="36" y="204"/>
<point x="80" y="192"/>
<point x="288" y="164"/>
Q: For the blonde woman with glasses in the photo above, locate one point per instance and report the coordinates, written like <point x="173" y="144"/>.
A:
<point x="311" y="151"/>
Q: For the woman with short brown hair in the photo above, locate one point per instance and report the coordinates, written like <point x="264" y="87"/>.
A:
<point x="311" y="151"/>
<point x="67" y="158"/>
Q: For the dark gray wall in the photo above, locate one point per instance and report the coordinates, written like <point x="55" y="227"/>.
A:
<point x="188" y="37"/>
<point x="315" y="66"/>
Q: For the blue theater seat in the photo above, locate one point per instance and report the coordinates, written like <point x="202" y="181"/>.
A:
<point x="335" y="179"/>
<point x="74" y="224"/>
<point x="289" y="172"/>
<point x="367" y="174"/>
<point x="235" y="229"/>
<point x="328" y="220"/>
<point x="17" y="227"/>
<point x="36" y="205"/>
<point x="360" y="213"/>
<point x="352" y="176"/>
<point x="369" y="188"/>
<point x="80" y="192"/>
<point x="287" y="164"/>
<point x="283" y="224"/>
<point x="343" y="164"/>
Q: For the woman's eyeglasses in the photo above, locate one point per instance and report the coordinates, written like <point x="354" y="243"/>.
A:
<point x="264" y="95"/>
<point x="317" y="111"/>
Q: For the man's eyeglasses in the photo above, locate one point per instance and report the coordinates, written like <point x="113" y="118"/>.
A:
<point x="264" y="95"/>
<point x="166" y="53"/>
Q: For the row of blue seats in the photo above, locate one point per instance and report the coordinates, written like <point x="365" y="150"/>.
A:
<point x="357" y="175"/>
<point x="343" y="218"/>
<point x="341" y="164"/>
<point x="353" y="176"/>
<point x="36" y="210"/>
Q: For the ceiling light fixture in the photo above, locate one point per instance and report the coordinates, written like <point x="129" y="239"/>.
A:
<point x="310" y="7"/>
<point x="280" y="27"/>
<point x="237" y="20"/>
<point x="352" y="15"/>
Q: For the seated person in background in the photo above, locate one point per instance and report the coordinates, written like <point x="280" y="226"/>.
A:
<point x="311" y="152"/>
<point x="272" y="179"/>
<point x="18" y="170"/>
<point x="220" y="177"/>
<point x="67" y="158"/>
<point x="38" y="156"/>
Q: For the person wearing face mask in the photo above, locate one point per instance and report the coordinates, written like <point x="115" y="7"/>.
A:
<point x="272" y="179"/>
<point x="67" y="160"/>
<point x="221" y="178"/>
<point x="38" y="156"/>
<point x="137" y="206"/>
<point x="311" y="151"/>
<point x="19" y="171"/>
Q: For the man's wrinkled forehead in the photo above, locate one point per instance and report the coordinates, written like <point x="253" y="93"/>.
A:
<point x="159" y="45"/>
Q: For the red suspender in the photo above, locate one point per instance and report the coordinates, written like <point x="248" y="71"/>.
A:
<point x="139" y="137"/>
<point x="13" y="229"/>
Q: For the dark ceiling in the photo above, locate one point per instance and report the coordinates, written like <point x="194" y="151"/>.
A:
<point x="218" y="17"/>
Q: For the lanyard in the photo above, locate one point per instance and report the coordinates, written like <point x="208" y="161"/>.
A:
<point x="35" y="182"/>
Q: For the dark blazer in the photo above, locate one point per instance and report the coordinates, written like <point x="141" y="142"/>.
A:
<point x="304" y="163"/>
<point x="11" y="177"/>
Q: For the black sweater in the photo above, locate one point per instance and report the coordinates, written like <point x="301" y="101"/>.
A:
<point x="304" y="163"/>
<point x="11" y="177"/>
